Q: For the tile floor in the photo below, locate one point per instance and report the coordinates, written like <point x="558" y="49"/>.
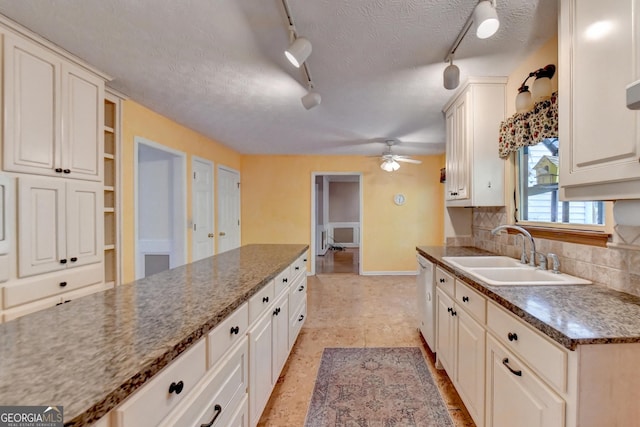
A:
<point x="346" y="310"/>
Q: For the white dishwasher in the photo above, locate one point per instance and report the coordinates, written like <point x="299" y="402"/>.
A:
<point x="426" y="301"/>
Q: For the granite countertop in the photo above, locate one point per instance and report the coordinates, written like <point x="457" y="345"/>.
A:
<point x="91" y="353"/>
<point x="569" y="314"/>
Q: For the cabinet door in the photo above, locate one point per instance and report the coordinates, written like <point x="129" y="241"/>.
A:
<point x="84" y="230"/>
<point x="470" y="364"/>
<point x="82" y="120"/>
<point x="515" y="395"/>
<point x="280" y="317"/>
<point x="600" y="137"/>
<point x="462" y="147"/>
<point x="451" y="170"/>
<point x="32" y="108"/>
<point x="260" y="365"/>
<point x="445" y="349"/>
<point x="41" y="226"/>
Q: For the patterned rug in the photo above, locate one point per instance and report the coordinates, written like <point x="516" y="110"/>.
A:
<point x="375" y="387"/>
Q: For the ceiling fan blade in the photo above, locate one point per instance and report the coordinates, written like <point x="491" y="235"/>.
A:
<point x="408" y="160"/>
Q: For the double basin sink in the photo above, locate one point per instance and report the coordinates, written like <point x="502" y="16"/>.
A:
<point x="505" y="271"/>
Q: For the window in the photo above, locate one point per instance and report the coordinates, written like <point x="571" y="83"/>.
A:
<point x="537" y="172"/>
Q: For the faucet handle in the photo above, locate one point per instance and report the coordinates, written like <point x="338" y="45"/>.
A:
<point x="542" y="260"/>
<point x="555" y="263"/>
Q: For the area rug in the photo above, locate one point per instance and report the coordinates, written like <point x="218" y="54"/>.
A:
<point x="375" y="387"/>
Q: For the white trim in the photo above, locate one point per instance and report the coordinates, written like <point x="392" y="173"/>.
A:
<point x="312" y="246"/>
<point x="217" y="182"/>
<point x="213" y="201"/>
<point x="390" y="273"/>
<point x="115" y="93"/>
<point x="182" y="157"/>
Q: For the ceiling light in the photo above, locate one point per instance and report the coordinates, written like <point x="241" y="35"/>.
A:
<point x="311" y="99"/>
<point x="486" y="19"/>
<point x="451" y="76"/>
<point x="390" y="165"/>
<point x="298" y="51"/>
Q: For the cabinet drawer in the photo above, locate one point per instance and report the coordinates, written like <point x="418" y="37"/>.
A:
<point x="445" y="281"/>
<point x="261" y="301"/>
<point x="295" y="323"/>
<point x="299" y="266"/>
<point x="4" y="268"/>
<point x="545" y="357"/>
<point x="217" y="396"/>
<point x="472" y="301"/>
<point x="35" y="288"/>
<point x="283" y="280"/>
<point x="226" y="334"/>
<point x="149" y="405"/>
<point x="298" y="292"/>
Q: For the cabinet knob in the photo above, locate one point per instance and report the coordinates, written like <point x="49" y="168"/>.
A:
<point x="63" y="261"/>
<point x="210" y="235"/>
<point x="58" y="170"/>
<point x="449" y="309"/>
<point x="63" y="284"/>
<point x="217" y="410"/>
<point x="176" y="387"/>
<point x="66" y="170"/>
<point x="297" y="268"/>
<point x="512" y="336"/>
<point x="454" y="313"/>
<point x="285" y="280"/>
<point x="301" y="288"/>
<point x="442" y="280"/>
<point x="276" y="311"/>
<point x="465" y="299"/>
<point x="305" y="260"/>
<point x="222" y="233"/>
<point x="235" y="330"/>
<point x="73" y="259"/>
<point x="301" y="318"/>
<point x="517" y="373"/>
<point x="265" y="300"/>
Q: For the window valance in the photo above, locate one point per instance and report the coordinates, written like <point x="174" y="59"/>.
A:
<point x="529" y="128"/>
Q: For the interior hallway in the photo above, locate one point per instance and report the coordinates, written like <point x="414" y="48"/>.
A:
<point x="339" y="261"/>
<point x="346" y="310"/>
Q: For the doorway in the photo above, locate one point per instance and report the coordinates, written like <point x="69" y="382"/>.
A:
<point x="202" y="208"/>
<point x="160" y="208"/>
<point x="336" y="222"/>
<point x="228" y="209"/>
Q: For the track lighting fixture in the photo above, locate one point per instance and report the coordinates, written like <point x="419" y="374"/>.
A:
<point x="486" y="18"/>
<point x="298" y="51"/>
<point x="311" y="99"/>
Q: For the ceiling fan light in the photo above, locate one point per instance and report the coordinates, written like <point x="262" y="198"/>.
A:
<point x="298" y="51"/>
<point x="451" y="76"/>
<point x="311" y="99"/>
<point x="486" y="19"/>
<point x="390" y="165"/>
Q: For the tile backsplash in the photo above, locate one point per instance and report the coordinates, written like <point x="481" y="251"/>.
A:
<point x="617" y="268"/>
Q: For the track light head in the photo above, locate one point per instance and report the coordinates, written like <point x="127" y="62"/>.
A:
<point x="451" y="76"/>
<point x="486" y="19"/>
<point x="311" y="99"/>
<point x="298" y="51"/>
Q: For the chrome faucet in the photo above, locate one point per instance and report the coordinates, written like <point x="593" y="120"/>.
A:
<point x="525" y="233"/>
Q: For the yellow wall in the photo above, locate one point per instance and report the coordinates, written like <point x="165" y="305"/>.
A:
<point x="276" y="204"/>
<point x="140" y="121"/>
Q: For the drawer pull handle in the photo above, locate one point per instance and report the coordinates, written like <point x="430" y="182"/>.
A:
<point x="453" y="313"/>
<point x="517" y="373"/>
<point x="512" y="336"/>
<point x="63" y="284"/>
<point x="73" y="259"/>
<point x="301" y="288"/>
<point x="442" y="280"/>
<point x="297" y="268"/>
<point x="285" y="280"/>
<point x="218" y="410"/>
<point x="276" y="311"/>
<point x="265" y="300"/>
<point x="449" y="309"/>
<point x="235" y="330"/>
<point x="465" y="299"/>
<point x="58" y="170"/>
<point x="176" y="387"/>
<point x="305" y="260"/>
<point x="63" y="261"/>
<point x="301" y="318"/>
<point x="67" y="171"/>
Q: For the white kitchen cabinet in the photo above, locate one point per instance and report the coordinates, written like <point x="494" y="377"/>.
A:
<point x="280" y="318"/>
<point x="470" y="364"/>
<point x="54" y="113"/>
<point x="260" y="365"/>
<point x="515" y="395"/>
<point x="445" y="337"/>
<point x="59" y="224"/>
<point x="599" y="135"/>
<point x="474" y="172"/>
<point x="6" y="225"/>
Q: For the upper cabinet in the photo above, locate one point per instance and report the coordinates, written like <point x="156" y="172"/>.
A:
<point x="475" y="173"/>
<point x="54" y="113"/>
<point x="598" y="58"/>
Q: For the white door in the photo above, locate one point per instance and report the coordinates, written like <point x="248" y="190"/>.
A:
<point x="228" y="209"/>
<point x="203" y="232"/>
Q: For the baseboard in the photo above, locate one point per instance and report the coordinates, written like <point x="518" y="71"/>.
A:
<point x="390" y="273"/>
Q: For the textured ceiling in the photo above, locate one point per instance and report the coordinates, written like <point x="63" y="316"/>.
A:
<point x="218" y="66"/>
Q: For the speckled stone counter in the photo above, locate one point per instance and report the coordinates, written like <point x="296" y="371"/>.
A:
<point x="91" y="353"/>
<point x="571" y="314"/>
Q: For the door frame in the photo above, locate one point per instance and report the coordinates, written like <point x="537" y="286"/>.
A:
<point x="182" y="159"/>
<point x="314" y="197"/>
<point x="232" y="170"/>
<point x="211" y="165"/>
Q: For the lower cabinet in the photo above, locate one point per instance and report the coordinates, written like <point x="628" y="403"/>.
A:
<point x="515" y="395"/>
<point x="445" y="341"/>
<point x="260" y="366"/>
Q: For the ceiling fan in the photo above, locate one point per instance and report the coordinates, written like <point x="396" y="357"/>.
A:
<point x="390" y="160"/>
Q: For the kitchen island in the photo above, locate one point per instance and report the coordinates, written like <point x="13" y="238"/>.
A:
<point x="90" y="354"/>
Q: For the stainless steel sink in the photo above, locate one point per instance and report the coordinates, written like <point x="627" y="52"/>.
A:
<point x="505" y="271"/>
